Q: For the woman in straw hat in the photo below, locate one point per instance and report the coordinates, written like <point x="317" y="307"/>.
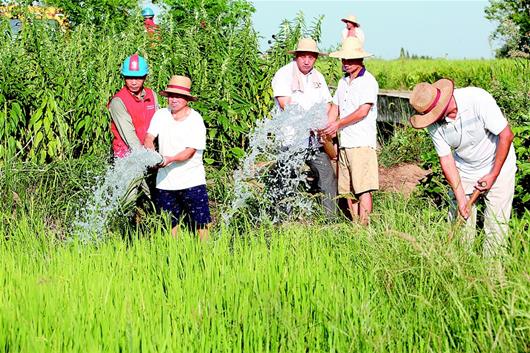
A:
<point x="353" y="28"/>
<point x="355" y="103"/>
<point x="181" y="180"/>
<point x="474" y="144"/>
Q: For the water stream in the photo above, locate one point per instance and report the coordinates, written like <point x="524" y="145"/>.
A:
<point x="109" y="193"/>
<point x="267" y="185"/>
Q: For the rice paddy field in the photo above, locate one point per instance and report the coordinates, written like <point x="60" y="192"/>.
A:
<point x="405" y="283"/>
<point x="398" y="285"/>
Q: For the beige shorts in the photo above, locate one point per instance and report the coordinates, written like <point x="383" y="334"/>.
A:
<point x="358" y="170"/>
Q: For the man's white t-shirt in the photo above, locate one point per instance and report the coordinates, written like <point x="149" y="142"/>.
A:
<point x="304" y="90"/>
<point x="473" y="135"/>
<point x="312" y="90"/>
<point x="349" y="96"/>
<point x="359" y="34"/>
<point x="174" y="137"/>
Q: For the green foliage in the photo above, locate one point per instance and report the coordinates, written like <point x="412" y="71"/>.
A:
<point x="54" y="100"/>
<point x="505" y="79"/>
<point x="97" y="12"/>
<point x="287" y="37"/>
<point x="219" y="13"/>
<point x="56" y="97"/>
<point x="513" y="30"/>
<point x="521" y="144"/>
<point x="406" y="145"/>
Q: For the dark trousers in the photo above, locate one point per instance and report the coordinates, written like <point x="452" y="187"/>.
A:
<point x="322" y="169"/>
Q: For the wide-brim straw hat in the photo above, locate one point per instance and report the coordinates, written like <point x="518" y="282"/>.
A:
<point x="306" y="45"/>
<point x="352" y="48"/>
<point x="430" y="101"/>
<point x="350" y="18"/>
<point x="180" y="85"/>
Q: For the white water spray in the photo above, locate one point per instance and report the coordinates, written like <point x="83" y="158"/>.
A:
<point x="270" y="174"/>
<point x="109" y="192"/>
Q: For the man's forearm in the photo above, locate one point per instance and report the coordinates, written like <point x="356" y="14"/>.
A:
<point x="503" y="148"/>
<point x="149" y="142"/>
<point x="184" y="155"/>
<point x="358" y="115"/>
<point x="453" y="177"/>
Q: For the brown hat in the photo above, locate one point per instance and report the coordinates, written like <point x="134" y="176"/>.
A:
<point x="306" y="45"/>
<point x="180" y="85"/>
<point x="352" y="48"/>
<point x="430" y="101"/>
<point x="350" y="18"/>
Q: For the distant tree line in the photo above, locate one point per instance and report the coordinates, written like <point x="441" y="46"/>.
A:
<point x="404" y="54"/>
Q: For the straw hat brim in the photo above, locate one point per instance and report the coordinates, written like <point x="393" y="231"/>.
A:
<point x="306" y="51"/>
<point x="183" y="93"/>
<point x="357" y="54"/>
<point x="348" y="20"/>
<point x="446" y="87"/>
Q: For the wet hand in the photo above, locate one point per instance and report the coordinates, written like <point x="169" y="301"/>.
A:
<point x="165" y="161"/>
<point x="331" y="129"/>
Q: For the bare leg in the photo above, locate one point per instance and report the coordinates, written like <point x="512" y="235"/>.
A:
<point x="353" y="206"/>
<point x="365" y="207"/>
<point x="204" y="233"/>
<point x="175" y="231"/>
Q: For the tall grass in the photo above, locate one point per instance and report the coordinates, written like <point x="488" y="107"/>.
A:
<point x="398" y="285"/>
<point x="505" y="79"/>
<point x="55" y="85"/>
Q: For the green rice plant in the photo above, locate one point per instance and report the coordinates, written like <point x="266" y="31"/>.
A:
<point x="398" y="285"/>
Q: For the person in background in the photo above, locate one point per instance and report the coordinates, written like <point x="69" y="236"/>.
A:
<point x="300" y="83"/>
<point x="353" y="28"/>
<point x="150" y="26"/>
<point x="355" y="104"/>
<point x="131" y="110"/>
<point x="181" y="180"/>
<point x="474" y="144"/>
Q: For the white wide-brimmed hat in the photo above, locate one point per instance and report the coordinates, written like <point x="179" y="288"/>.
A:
<point x="350" y="18"/>
<point x="352" y="48"/>
<point x="306" y="45"/>
<point x="430" y="101"/>
<point x="180" y="85"/>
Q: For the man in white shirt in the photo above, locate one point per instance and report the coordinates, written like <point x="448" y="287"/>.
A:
<point x="181" y="180"/>
<point x="300" y="83"/>
<point x="474" y="143"/>
<point x="355" y="103"/>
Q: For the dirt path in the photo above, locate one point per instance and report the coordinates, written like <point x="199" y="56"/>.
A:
<point x="401" y="178"/>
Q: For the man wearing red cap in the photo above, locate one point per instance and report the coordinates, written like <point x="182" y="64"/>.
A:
<point x="474" y="143"/>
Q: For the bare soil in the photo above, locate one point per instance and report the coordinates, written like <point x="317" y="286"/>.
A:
<point x="402" y="178"/>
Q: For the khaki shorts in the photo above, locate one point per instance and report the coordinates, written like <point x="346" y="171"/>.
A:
<point x="358" y="170"/>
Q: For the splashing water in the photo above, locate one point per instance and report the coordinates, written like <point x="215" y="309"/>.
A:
<point x="270" y="175"/>
<point x="109" y="192"/>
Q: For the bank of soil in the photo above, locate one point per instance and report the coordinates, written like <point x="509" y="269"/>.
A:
<point x="402" y="178"/>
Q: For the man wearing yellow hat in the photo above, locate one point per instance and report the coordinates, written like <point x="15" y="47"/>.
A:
<point x="300" y="83"/>
<point x="355" y="103"/>
<point x="474" y="144"/>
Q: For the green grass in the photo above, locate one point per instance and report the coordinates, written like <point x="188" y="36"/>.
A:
<point x="397" y="285"/>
